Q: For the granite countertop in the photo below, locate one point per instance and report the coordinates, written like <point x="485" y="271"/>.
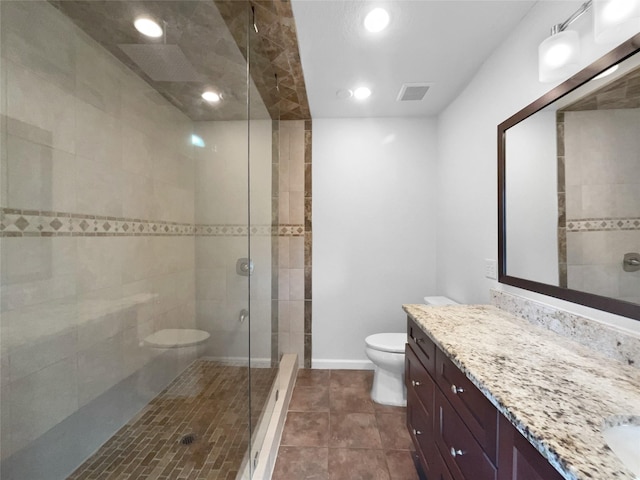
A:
<point x="556" y="392"/>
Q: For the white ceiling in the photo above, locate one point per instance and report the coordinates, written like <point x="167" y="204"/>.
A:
<point x="442" y="42"/>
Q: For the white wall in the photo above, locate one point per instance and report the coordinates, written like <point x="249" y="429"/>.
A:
<point x="374" y="218"/>
<point x="467" y="157"/>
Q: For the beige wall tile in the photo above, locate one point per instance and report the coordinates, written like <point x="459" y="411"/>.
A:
<point x="296" y="208"/>
<point x="99" y="263"/>
<point x="296" y="252"/>
<point x="296" y="284"/>
<point x="284" y="251"/>
<point x="98" y="136"/>
<point x="137" y="152"/>
<point x="47" y="50"/>
<point x="283" y="284"/>
<point x="283" y="317"/>
<point x="284" y="216"/>
<point x="99" y="189"/>
<point x="31" y="358"/>
<point x="211" y="284"/>
<point x="41" y="400"/>
<point x="137" y="196"/>
<point x="37" y="103"/>
<point x="39" y="177"/>
<point x="99" y="368"/>
<point x="296" y="316"/>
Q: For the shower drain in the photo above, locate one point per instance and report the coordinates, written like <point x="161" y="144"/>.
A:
<point x="188" y="439"/>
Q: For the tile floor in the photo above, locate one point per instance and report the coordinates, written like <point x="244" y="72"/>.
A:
<point x="334" y="431"/>
<point x="208" y="400"/>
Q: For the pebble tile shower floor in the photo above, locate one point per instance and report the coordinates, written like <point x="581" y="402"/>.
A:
<point x="334" y="431"/>
<point x="208" y="400"/>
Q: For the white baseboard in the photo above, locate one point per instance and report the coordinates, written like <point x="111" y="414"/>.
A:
<point x="337" y="364"/>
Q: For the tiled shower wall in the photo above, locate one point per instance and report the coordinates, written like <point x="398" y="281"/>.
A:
<point x="294" y="240"/>
<point x="602" y="200"/>
<point x="95" y="165"/>
<point x="221" y="293"/>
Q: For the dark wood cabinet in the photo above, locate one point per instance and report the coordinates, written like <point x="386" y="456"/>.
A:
<point x="458" y="434"/>
<point x="519" y="460"/>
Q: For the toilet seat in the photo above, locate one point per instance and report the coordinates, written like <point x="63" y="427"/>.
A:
<point x="387" y="342"/>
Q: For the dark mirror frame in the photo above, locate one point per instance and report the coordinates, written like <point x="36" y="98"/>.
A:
<point x="619" y="307"/>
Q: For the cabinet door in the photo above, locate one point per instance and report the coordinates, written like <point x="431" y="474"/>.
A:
<point x="422" y="345"/>
<point x="420" y="425"/>
<point x="477" y="412"/>
<point x="418" y="379"/>
<point x="460" y="450"/>
<point x="518" y="459"/>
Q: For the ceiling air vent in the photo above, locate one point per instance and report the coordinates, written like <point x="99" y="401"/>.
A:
<point x="411" y="92"/>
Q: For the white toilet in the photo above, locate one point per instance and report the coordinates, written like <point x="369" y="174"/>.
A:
<point x="386" y="351"/>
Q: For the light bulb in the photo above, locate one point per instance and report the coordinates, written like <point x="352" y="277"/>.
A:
<point x="615" y="21"/>
<point x="376" y="20"/>
<point x="148" y="27"/>
<point x="617" y="10"/>
<point x="558" y="56"/>
<point x="361" y="93"/>
<point x="210" y="96"/>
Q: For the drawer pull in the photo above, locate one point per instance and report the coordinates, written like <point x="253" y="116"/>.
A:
<point x="417" y="432"/>
<point x="415" y="383"/>
<point x="419" y="340"/>
<point x="456" y="390"/>
<point x="456" y="453"/>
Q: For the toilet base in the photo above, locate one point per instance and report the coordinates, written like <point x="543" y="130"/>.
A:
<point x="388" y="388"/>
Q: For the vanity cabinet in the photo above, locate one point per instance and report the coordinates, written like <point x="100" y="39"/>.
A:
<point x="458" y="434"/>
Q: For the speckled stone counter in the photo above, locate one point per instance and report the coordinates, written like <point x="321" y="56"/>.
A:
<point x="556" y="392"/>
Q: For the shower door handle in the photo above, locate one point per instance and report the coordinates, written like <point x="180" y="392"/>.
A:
<point x="244" y="314"/>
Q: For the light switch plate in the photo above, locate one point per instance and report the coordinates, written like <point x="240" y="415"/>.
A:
<point x="491" y="269"/>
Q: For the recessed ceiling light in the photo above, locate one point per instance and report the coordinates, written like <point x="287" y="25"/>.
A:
<point x="344" y="93"/>
<point x="361" y="93"/>
<point x="148" y="27"/>
<point x="212" y="97"/>
<point x="376" y="20"/>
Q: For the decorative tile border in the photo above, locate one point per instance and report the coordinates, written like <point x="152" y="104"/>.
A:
<point x="33" y="223"/>
<point x="607" y="340"/>
<point x="603" y="224"/>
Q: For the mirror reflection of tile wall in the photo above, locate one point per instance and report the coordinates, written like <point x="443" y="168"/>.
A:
<point x="602" y="181"/>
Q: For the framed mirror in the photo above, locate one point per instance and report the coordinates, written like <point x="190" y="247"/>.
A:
<point x="569" y="188"/>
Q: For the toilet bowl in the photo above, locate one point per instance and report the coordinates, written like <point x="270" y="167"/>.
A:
<point x="386" y="351"/>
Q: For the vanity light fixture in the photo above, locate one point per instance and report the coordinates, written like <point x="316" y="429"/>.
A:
<point x="361" y="93"/>
<point x="211" y="97"/>
<point x="148" y="27"/>
<point x="558" y="54"/>
<point x="376" y="20"/>
<point x="615" y="20"/>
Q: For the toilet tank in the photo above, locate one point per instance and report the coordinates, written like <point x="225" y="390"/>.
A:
<point x="439" y="301"/>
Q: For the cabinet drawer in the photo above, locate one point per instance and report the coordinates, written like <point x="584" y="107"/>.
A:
<point x="440" y="469"/>
<point x="422" y="345"/>
<point x="418" y="380"/>
<point x="420" y="425"/>
<point x="462" y="453"/>
<point x="480" y="416"/>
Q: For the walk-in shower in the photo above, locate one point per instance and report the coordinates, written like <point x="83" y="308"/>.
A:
<point x="131" y="346"/>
